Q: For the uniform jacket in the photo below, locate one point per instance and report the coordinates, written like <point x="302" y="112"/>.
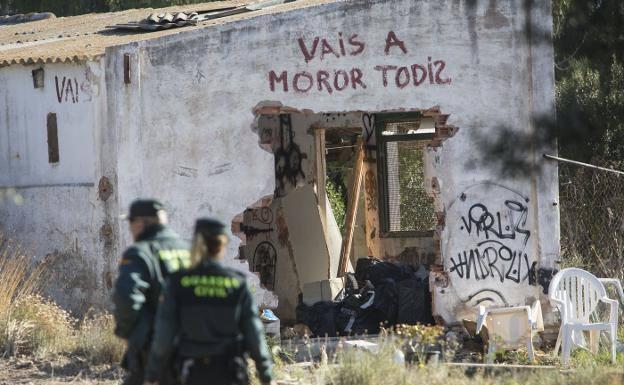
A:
<point x="210" y="311"/>
<point x="156" y="254"/>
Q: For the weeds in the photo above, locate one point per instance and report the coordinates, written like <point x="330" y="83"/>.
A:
<point x="95" y="340"/>
<point x="33" y="325"/>
<point x="363" y="368"/>
<point x="50" y="328"/>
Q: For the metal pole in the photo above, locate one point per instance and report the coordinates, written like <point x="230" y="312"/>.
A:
<point x="564" y="160"/>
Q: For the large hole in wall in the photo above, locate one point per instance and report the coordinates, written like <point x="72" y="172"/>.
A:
<point x="386" y="207"/>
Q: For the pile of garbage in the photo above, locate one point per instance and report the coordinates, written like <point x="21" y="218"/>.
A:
<point x="379" y="294"/>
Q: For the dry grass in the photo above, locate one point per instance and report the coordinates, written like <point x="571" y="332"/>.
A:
<point x="33" y="325"/>
<point x="50" y="329"/>
<point x="362" y="368"/>
<point x="96" y="342"/>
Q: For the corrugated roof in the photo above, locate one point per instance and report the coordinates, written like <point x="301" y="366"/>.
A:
<point x="85" y="37"/>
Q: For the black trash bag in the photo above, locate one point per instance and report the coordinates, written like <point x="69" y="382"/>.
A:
<point x="367" y="322"/>
<point x="414" y="302"/>
<point x="363" y="266"/>
<point x="360" y="321"/>
<point x="351" y="309"/>
<point x="320" y="317"/>
<point x="351" y="285"/>
<point x="382" y="271"/>
<point x="323" y="320"/>
<point x="386" y="302"/>
<point x="345" y="319"/>
<point x="302" y="311"/>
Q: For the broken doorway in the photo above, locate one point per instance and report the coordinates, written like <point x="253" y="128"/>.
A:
<point x="347" y="185"/>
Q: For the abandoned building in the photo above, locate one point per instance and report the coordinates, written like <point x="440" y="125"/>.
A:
<point x="248" y="116"/>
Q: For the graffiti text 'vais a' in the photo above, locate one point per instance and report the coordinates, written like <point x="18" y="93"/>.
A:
<point x="329" y="81"/>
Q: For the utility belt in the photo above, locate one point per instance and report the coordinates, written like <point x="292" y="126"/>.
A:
<point x="226" y="361"/>
<point x="219" y="368"/>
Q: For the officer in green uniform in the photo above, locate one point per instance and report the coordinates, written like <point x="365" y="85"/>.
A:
<point x="210" y="312"/>
<point x="156" y="253"/>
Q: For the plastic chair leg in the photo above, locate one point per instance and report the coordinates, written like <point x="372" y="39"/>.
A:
<point x="566" y="346"/>
<point x="613" y="335"/>
<point x="530" y="349"/>
<point x="558" y="343"/>
<point x="594" y="341"/>
<point x="491" y="353"/>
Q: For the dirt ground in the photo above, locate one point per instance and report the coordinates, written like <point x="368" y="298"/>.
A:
<point x="56" y="370"/>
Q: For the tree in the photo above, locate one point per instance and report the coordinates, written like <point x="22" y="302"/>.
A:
<point x="589" y="57"/>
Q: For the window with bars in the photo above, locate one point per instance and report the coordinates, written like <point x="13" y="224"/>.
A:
<point x="406" y="208"/>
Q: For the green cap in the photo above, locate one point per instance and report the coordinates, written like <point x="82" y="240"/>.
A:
<point x="209" y="227"/>
<point x="144" y="208"/>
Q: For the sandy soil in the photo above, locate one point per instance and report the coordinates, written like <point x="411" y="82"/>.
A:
<point x="56" y="370"/>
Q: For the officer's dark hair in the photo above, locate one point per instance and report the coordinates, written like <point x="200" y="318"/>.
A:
<point x="209" y="239"/>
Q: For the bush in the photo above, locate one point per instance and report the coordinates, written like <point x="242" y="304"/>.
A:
<point x="46" y="327"/>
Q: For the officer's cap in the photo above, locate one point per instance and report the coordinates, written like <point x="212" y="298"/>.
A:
<point x="144" y="208"/>
<point x="209" y="227"/>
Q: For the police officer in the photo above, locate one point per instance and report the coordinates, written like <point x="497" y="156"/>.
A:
<point x="210" y="312"/>
<point x="157" y="252"/>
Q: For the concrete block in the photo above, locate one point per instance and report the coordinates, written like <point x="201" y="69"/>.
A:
<point x="325" y="290"/>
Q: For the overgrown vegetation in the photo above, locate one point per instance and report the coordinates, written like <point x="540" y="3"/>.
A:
<point x="33" y="325"/>
<point x="591" y="222"/>
<point x="589" y="57"/>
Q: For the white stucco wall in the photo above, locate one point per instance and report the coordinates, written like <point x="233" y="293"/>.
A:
<point x="73" y="92"/>
<point x="60" y="216"/>
<point x="186" y="116"/>
<point x="182" y="129"/>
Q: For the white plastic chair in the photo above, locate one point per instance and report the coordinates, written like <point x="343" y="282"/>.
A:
<point x="510" y="327"/>
<point x="576" y="293"/>
<point x="618" y="286"/>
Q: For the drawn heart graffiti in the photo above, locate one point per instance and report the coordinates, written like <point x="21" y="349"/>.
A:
<point x="368" y="121"/>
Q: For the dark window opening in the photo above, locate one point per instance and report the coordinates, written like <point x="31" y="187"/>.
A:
<point x="53" y="147"/>
<point x="38" y="77"/>
<point x="406" y="208"/>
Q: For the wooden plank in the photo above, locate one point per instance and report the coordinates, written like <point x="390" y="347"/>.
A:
<point x="53" y="146"/>
<point x="354" y="197"/>
<point x="321" y="172"/>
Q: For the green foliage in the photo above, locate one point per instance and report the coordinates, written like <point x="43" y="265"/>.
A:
<point x="589" y="56"/>
<point x="338" y="205"/>
<point x="416" y="206"/>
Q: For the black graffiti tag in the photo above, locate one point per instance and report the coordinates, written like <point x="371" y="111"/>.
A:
<point x="493" y="259"/>
<point x="265" y="262"/>
<point x="484" y="223"/>
<point x="288" y="157"/>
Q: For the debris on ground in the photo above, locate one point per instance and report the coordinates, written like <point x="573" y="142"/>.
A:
<point x="378" y="294"/>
